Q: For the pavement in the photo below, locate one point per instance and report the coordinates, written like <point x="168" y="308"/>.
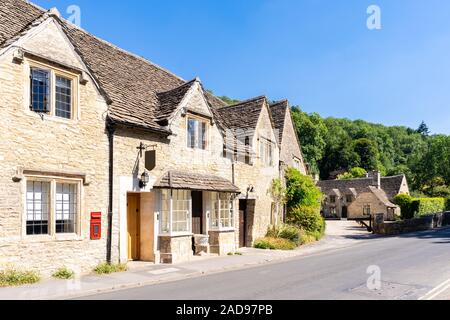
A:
<point x="335" y="268"/>
<point x="340" y="234"/>
<point x="408" y="267"/>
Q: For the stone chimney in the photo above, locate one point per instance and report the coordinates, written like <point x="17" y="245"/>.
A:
<point x="376" y="178"/>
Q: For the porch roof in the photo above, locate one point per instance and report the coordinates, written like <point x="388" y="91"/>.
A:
<point x="196" y="182"/>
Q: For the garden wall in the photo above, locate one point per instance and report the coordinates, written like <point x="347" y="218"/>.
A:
<point x="424" y="223"/>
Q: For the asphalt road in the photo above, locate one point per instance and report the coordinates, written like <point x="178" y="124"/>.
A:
<point x="409" y="266"/>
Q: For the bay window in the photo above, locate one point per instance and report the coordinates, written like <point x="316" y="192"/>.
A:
<point x="175" y="211"/>
<point x="222" y="211"/>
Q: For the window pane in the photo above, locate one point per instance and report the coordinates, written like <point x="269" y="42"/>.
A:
<point x="165" y="211"/>
<point x="66" y="208"/>
<point x="63" y="107"/>
<point x="191" y="133"/>
<point x="181" y="214"/>
<point x="202" y="135"/>
<point x="37" y="205"/>
<point x="40" y="90"/>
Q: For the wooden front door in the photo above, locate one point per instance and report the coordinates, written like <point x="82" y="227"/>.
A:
<point x="197" y="212"/>
<point x="344" y="212"/>
<point x="242" y="223"/>
<point x="133" y="219"/>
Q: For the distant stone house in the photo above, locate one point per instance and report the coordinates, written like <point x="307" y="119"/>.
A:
<point x="106" y="156"/>
<point x="361" y="198"/>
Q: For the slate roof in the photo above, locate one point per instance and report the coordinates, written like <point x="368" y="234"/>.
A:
<point x="381" y="195"/>
<point x="390" y="185"/>
<point x="170" y="100"/>
<point x="243" y="115"/>
<point x="279" y="110"/>
<point x="196" y="182"/>
<point x="139" y="92"/>
<point x="137" y="89"/>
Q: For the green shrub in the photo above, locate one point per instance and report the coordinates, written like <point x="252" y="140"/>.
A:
<point x="417" y="207"/>
<point x="64" y="274"/>
<point x="275" y="244"/>
<point x="405" y="202"/>
<point x="301" y="190"/>
<point x="447" y="204"/>
<point x="307" y="218"/>
<point x="285" y="231"/>
<point x="426" y="206"/>
<point x="13" y="277"/>
<point x="107" y="268"/>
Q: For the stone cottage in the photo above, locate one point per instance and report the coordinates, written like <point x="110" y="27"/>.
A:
<point x="106" y="156"/>
<point x="291" y="154"/>
<point x="361" y="198"/>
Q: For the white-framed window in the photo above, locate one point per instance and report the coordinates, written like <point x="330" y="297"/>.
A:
<point x="367" y="210"/>
<point x="222" y="211"/>
<point x="38" y="207"/>
<point x="297" y="164"/>
<point x="266" y="148"/>
<point x="332" y="199"/>
<point x="197" y="133"/>
<point x="176" y="208"/>
<point x="53" y="92"/>
<point x="52" y="206"/>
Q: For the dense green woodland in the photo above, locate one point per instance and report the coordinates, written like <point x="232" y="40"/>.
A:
<point x="334" y="146"/>
<point x="337" y="148"/>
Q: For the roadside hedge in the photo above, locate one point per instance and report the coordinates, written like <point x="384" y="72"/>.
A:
<point x="417" y="207"/>
<point x="425" y="206"/>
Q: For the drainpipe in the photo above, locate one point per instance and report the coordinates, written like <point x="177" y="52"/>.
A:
<point x="111" y="130"/>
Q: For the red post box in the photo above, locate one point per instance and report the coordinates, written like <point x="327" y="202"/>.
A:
<point x="96" y="225"/>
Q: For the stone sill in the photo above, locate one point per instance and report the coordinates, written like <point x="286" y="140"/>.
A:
<point x="46" y="239"/>
<point x="224" y="230"/>
<point x="176" y="235"/>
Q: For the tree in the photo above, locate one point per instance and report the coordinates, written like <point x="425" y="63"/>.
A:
<point x="311" y="131"/>
<point x="368" y="154"/>
<point x="278" y="194"/>
<point x="301" y="190"/>
<point x="229" y="101"/>
<point x="353" y="173"/>
<point x="423" y="129"/>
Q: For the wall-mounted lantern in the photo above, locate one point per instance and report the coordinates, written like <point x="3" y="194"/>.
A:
<point x="145" y="178"/>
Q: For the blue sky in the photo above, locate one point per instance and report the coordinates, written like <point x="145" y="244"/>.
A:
<point x="317" y="53"/>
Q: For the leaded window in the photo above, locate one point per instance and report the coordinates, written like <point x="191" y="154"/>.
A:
<point x="40" y="90"/>
<point x="66" y="207"/>
<point x="63" y="101"/>
<point x="196" y="134"/>
<point x="367" y="210"/>
<point x="38" y="207"/>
